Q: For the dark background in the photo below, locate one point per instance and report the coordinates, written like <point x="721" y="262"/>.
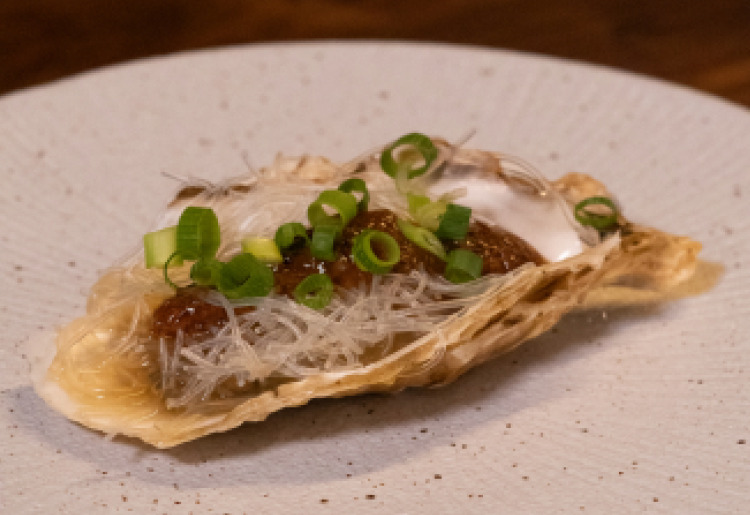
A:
<point x="700" y="43"/>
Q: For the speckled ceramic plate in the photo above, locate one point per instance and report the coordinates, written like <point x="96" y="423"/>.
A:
<point x="616" y="410"/>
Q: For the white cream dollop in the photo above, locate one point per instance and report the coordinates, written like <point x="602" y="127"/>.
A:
<point x="538" y="219"/>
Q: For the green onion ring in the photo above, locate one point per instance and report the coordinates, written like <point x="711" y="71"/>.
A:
<point x="416" y="202"/>
<point x="198" y="235"/>
<point x="206" y="272"/>
<point x="377" y="260"/>
<point x="291" y="235"/>
<point x="314" y="291"/>
<point x="428" y="214"/>
<point x="359" y="186"/>
<point x="158" y="246"/>
<point x="323" y="242"/>
<point x="420" y="143"/>
<point x="245" y="276"/>
<point x="454" y="223"/>
<point x="175" y="255"/>
<point x="344" y="203"/>
<point x="600" y="222"/>
<point x="463" y="266"/>
<point x="265" y="249"/>
<point x="422" y="238"/>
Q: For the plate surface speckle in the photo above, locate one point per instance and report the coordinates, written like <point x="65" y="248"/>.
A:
<point x="623" y="410"/>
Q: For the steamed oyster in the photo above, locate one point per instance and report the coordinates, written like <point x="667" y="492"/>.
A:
<point x="112" y="372"/>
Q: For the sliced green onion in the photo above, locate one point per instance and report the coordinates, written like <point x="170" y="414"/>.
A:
<point x="323" y="241"/>
<point x="206" y="272"/>
<point x="343" y="203"/>
<point x="198" y="235"/>
<point x="358" y="186"/>
<point x="292" y="234"/>
<point x="245" y="276"/>
<point x="264" y="249"/>
<point x="463" y="266"/>
<point x="175" y="255"/>
<point x="419" y="142"/>
<point x="454" y="223"/>
<point x="375" y="251"/>
<point x="595" y="220"/>
<point x="314" y="291"/>
<point x="428" y="214"/>
<point x="416" y="202"/>
<point x="158" y="247"/>
<point x="422" y="238"/>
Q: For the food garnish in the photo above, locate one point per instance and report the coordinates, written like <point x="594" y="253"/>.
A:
<point x="601" y="221"/>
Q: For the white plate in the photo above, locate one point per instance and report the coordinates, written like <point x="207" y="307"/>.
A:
<point x="618" y="411"/>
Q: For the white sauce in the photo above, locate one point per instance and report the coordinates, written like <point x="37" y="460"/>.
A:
<point x="539" y="220"/>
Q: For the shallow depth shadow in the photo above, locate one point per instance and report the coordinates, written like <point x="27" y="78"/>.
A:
<point x="339" y="438"/>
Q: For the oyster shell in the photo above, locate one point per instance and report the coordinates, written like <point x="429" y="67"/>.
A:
<point x="102" y="376"/>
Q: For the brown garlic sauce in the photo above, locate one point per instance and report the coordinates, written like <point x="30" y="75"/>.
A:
<point x="197" y="319"/>
<point x="500" y="250"/>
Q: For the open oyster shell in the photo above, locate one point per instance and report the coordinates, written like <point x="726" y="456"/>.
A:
<point x="92" y="378"/>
